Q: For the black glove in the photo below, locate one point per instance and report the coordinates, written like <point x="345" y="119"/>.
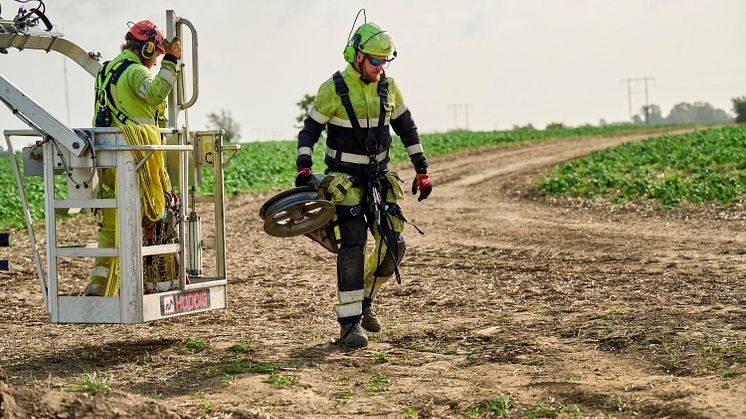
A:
<point x="424" y="184"/>
<point x="303" y="177"/>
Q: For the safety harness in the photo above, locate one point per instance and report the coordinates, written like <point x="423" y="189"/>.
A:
<point x="371" y="143"/>
<point x="106" y="108"/>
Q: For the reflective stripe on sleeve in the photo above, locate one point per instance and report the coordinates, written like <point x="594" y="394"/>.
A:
<point x="414" y="149"/>
<point x="399" y="111"/>
<point x="305" y="151"/>
<point x="143" y="88"/>
<point x="167" y="75"/>
<point x="318" y="116"/>
<point x="346" y="297"/>
<point x="354" y="158"/>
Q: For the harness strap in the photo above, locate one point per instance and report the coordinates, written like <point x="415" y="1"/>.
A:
<point x="373" y="137"/>
<point x="383" y="93"/>
<point x="344" y="95"/>
<point x="105" y="78"/>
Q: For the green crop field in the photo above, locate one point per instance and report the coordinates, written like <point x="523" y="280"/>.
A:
<point x="702" y="166"/>
<point x="261" y="166"/>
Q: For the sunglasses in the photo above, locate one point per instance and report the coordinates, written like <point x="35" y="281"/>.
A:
<point x="378" y="61"/>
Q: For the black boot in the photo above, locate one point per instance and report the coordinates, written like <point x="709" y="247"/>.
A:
<point x="352" y="335"/>
<point x="370" y="321"/>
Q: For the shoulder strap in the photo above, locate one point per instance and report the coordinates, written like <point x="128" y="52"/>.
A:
<point x="383" y="93"/>
<point x="104" y="83"/>
<point x="344" y="94"/>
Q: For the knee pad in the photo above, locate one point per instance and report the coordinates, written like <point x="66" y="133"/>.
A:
<point x="350" y="268"/>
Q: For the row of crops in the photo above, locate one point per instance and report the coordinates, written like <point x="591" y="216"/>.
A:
<point x="701" y="166"/>
<point x="266" y="165"/>
<point x="262" y="166"/>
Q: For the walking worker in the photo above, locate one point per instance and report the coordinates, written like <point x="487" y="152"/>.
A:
<point x="127" y="94"/>
<point x="356" y="107"/>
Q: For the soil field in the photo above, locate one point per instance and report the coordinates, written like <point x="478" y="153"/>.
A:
<point x="554" y="307"/>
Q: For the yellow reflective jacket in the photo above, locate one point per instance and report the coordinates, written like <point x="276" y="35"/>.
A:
<point x="138" y="94"/>
<point x="346" y="150"/>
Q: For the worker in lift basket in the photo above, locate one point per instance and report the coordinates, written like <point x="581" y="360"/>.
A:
<point x="127" y="94"/>
<point x="356" y="107"/>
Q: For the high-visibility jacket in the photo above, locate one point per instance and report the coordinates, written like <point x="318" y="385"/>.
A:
<point x="138" y="94"/>
<point x="344" y="151"/>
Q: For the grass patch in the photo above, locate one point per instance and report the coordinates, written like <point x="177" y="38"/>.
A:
<point x="728" y="373"/>
<point x="280" y="381"/>
<point x="378" y="383"/>
<point x="92" y="382"/>
<point x="541" y="411"/>
<point x="195" y="344"/>
<point x="494" y="407"/>
<point x="410" y="413"/>
<point x="380" y="357"/>
<point x="240" y="347"/>
<point x="248" y="367"/>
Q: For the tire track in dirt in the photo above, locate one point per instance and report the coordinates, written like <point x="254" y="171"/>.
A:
<point x="561" y="304"/>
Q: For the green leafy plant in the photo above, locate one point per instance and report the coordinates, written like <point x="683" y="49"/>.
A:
<point x="92" y="382"/>
<point x="261" y="166"/>
<point x="195" y="344"/>
<point x="378" y="383"/>
<point x="380" y="357"/>
<point x="281" y="381"/>
<point x="701" y="166"/>
<point x="410" y="413"/>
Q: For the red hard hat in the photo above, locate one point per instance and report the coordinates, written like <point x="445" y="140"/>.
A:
<point x="146" y="30"/>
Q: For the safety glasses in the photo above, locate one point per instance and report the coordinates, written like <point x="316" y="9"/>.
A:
<point x="378" y="61"/>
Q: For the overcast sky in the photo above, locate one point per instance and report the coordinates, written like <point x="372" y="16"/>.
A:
<point x="511" y="61"/>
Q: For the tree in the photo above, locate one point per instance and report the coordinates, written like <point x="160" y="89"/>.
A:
<point x="697" y="113"/>
<point x="686" y="113"/>
<point x="653" y="115"/>
<point x="305" y="107"/>
<point x="225" y="122"/>
<point x="739" y="108"/>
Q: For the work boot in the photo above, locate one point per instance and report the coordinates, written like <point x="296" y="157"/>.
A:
<point x="94" y="290"/>
<point x="353" y="336"/>
<point x="370" y="321"/>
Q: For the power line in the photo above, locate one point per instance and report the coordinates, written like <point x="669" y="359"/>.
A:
<point x="629" y="82"/>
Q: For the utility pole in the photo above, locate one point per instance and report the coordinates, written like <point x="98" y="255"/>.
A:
<point x="455" y="115"/>
<point x="629" y="82"/>
<point x="460" y="106"/>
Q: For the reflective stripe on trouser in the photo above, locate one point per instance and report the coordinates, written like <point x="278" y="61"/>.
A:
<point x="106" y="238"/>
<point x="355" y="277"/>
<point x="352" y="233"/>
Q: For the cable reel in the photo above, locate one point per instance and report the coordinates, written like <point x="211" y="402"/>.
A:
<point x="295" y="212"/>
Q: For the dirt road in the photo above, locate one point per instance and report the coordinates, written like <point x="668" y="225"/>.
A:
<point x="559" y="307"/>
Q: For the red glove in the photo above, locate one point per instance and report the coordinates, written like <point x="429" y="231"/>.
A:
<point x="303" y="177"/>
<point x="424" y="184"/>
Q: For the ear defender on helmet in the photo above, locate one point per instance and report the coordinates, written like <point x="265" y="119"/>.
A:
<point x="349" y="51"/>
<point x="369" y="39"/>
<point x="147" y="48"/>
<point x="148" y="35"/>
